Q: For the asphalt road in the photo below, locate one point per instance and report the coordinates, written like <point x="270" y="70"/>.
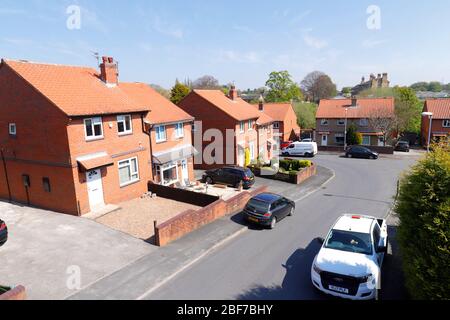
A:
<point x="275" y="264"/>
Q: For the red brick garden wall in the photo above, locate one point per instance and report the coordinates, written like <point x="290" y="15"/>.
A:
<point x="191" y="220"/>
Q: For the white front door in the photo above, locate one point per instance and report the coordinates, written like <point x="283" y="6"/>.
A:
<point x="252" y="151"/>
<point x="241" y="156"/>
<point x="95" y="189"/>
<point x="184" y="171"/>
<point x="324" y="140"/>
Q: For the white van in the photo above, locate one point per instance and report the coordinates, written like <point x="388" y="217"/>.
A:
<point x="308" y="149"/>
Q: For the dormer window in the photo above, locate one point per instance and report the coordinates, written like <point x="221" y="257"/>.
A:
<point x="12" y="129"/>
<point x="93" y="128"/>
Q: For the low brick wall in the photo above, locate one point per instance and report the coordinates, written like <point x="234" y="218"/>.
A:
<point x="191" y="220"/>
<point x="186" y="196"/>
<point x="380" y="150"/>
<point x="18" y="293"/>
<point x="300" y="177"/>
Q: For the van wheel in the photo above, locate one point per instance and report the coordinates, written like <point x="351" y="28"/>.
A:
<point x="273" y="223"/>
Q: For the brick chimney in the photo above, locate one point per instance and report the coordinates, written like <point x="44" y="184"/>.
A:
<point x="354" y="101"/>
<point x="261" y="104"/>
<point x="109" y="72"/>
<point x="233" y="95"/>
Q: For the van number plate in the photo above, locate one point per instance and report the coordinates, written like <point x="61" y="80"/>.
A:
<point x="338" y="289"/>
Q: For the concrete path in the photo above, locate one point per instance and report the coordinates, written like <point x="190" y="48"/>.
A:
<point x="146" y="275"/>
<point x="45" y="248"/>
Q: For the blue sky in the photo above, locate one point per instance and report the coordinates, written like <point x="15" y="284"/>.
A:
<point x="241" y="41"/>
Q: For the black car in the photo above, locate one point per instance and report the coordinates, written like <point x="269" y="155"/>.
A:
<point x="232" y="176"/>
<point x="402" y="146"/>
<point x="3" y="233"/>
<point x="360" y="152"/>
<point x="267" y="209"/>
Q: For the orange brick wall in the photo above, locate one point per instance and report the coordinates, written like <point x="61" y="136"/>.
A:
<point x="136" y="144"/>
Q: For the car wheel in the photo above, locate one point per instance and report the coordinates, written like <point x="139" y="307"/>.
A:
<point x="209" y="180"/>
<point x="291" y="213"/>
<point x="273" y="223"/>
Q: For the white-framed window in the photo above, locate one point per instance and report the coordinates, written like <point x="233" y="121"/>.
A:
<point x="12" y="129"/>
<point x="93" y="128"/>
<point x="324" y="122"/>
<point x="340" y="122"/>
<point x="363" y="122"/>
<point x="446" y="123"/>
<point x="160" y="133"/>
<point x="250" y="124"/>
<point x="242" y="126"/>
<point x="124" y="125"/>
<point x="168" y="173"/>
<point x="339" y="139"/>
<point x="366" y="141"/>
<point x="276" y="125"/>
<point x="128" y="171"/>
<point x="179" y="130"/>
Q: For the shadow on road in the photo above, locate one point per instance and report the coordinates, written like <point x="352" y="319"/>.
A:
<point x="355" y="198"/>
<point x="239" y="219"/>
<point x="297" y="282"/>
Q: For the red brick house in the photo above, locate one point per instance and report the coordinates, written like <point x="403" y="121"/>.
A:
<point x="333" y="114"/>
<point x="236" y="121"/>
<point x="440" y="125"/>
<point x="285" y="120"/>
<point x="73" y="139"/>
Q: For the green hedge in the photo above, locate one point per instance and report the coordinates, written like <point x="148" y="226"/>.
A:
<point x="423" y="207"/>
<point x="294" y="165"/>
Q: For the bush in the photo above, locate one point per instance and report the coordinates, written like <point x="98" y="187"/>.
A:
<point x="293" y="172"/>
<point x="285" y="165"/>
<point x="424" y="232"/>
<point x="305" y="164"/>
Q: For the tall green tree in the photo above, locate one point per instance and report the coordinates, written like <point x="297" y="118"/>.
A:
<point x="408" y="110"/>
<point x="423" y="207"/>
<point x="178" y="92"/>
<point x="306" y="114"/>
<point x="282" y="88"/>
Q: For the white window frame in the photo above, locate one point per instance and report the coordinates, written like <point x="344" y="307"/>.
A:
<point x="12" y="129"/>
<point x="123" y="119"/>
<point x="276" y="125"/>
<point x="179" y="130"/>
<point x="250" y="124"/>
<point x="127" y="163"/>
<point x="161" y="139"/>
<point x="340" y="122"/>
<point x="242" y="126"/>
<point x="168" y="166"/>
<point x="363" y="122"/>
<point x="94" y="121"/>
<point x="446" y="123"/>
<point x="324" y="122"/>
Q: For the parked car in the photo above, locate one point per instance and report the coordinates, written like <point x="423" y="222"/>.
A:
<point x="232" y="176"/>
<point x="266" y="209"/>
<point x="3" y="233"/>
<point x="285" y="144"/>
<point x="402" y="146"/>
<point x="308" y="149"/>
<point x="349" y="263"/>
<point x="360" y="152"/>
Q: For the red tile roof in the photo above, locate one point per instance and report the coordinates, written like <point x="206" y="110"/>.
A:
<point x="237" y="109"/>
<point x="335" y="108"/>
<point x="439" y="107"/>
<point x="277" y="111"/>
<point x="76" y="91"/>
<point x="161" y="109"/>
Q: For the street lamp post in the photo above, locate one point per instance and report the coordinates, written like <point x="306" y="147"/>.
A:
<point x="345" y="130"/>
<point x="430" y="116"/>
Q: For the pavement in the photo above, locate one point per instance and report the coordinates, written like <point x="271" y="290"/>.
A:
<point x="44" y="249"/>
<point x="275" y="264"/>
<point x="145" y="276"/>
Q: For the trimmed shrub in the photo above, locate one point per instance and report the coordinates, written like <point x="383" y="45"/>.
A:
<point x="305" y="163"/>
<point x="285" y="165"/>
<point x="293" y="172"/>
<point x="424" y="232"/>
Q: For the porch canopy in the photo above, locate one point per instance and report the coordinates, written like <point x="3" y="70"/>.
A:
<point x="94" y="162"/>
<point x="175" y="154"/>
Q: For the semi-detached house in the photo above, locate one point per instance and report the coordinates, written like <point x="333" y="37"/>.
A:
<point x="73" y="139"/>
<point x="240" y="125"/>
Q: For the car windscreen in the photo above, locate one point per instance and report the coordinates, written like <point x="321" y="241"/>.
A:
<point x="257" y="206"/>
<point x="349" y="241"/>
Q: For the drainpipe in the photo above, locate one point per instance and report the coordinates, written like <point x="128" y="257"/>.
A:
<point x="150" y="143"/>
<point x="6" y="175"/>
